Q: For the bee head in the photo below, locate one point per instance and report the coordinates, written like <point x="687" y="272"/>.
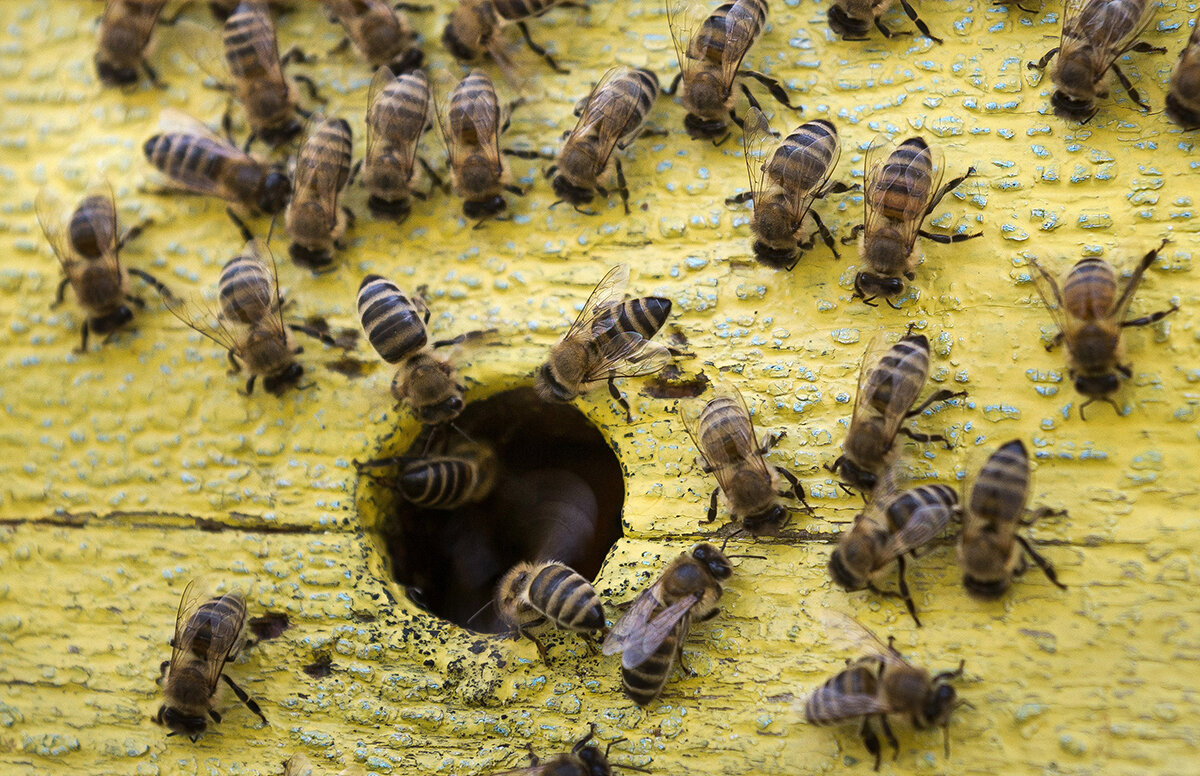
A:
<point x="484" y="208"/>
<point x="315" y="259"/>
<point x="714" y="560"/>
<point x="1097" y="385"/>
<point x="115" y="75"/>
<point x="841" y="573"/>
<point x="277" y="136"/>
<point x="549" y="387"/>
<point x="868" y="286"/>
<point x="569" y="192"/>
<point x="105" y="324"/>
<point x="939" y="704"/>
<point x="441" y="412"/>
<point x="1068" y="107"/>
<point x="854" y="475"/>
<point x="699" y="128"/>
<point x="274" y="193"/>
<point x="775" y="258"/>
<point x="594" y="761"/>
<point x="845" y="25"/>
<point x="774" y="515"/>
<point x="180" y="723"/>
<point x="986" y="589"/>
<point x="396" y="208"/>
<point x="279" y="382"/>
<point x="464" y="34"/>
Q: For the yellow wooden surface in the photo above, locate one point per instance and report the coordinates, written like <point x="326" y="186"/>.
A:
<point x="113" y="462"/>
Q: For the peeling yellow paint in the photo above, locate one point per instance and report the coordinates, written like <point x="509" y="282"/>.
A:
<point x="119" y="464"/>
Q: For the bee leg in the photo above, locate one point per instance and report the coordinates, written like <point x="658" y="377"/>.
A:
<point x="797" y="491"/>
<point x="541" y="52"/>
<point x="612" y="391"/>
<point x="534" y="760"/>
<point x="912" y="14"/>
<point x="313" y="332"/>
<point x="770" y="442"/>
<point x="1142" y="47"/>
<point x="342" y="45"/>
<point x="513" y="189"/>
<point x="1058" y="340"/>
<point x="250" y="385"/>
<point x="310" y="86"/>
<point x="870" y="740"/>
<point x="433" y="176"/>
<point x="740" y="199"/>
<point x="826" y="235"/>
<point x="60" y="293"/>
<point x="1041" y="63"/>
<point x="622" y="187"/>
<point x="541" y="648"/>
<point x="924" y="438"/>
<point x="890" y="736"/>
<point x="888" y="32"/>
<point x="773" y="86"/>
<point x="936" y="396"/>
<point x="1041" y="562"/>
<point x="153" y="282"/>
<point x="294" y="54"/>
<point x="522" y="154"/>
<point x="152" y="74"/>
<point x="84" y="338"/>
<point x="244" y="698"/>
<point x="216" y="717"/>
<point x="712" y="506"/>
<point x="1152" y="318"/>
<point x="855" y="231"/>
<point x="837" y="187"/>
<point x="948" y="187"/>
<point x="162" y="671"/>
<point x="904" y="592"/>
<point x="136" y="301"/>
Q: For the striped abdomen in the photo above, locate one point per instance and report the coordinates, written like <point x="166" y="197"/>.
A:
<point x="802" y="161"/>
<point x="394" y="323"/>
<point x="904" y="184"/>
<point x="250" y="47"/>
<point x="515" y="10"/>
<point x="1090" y="290"/>
<point x="246" y="289"/>
<point x="216" y="626"/>
<point x="829" y="704"/>
<point x="1001" y="489"/>
<point x="474" y="105"/>
<point x="644" y="315"/>
<point x="722" y="422"/>
<point x="396" y="119"/>
<point x="92" y="228"/>
<point x="899" y="377"/>
<point x="441" y="483"/>
<point x="565" y="597"/>
<point x="207" y="166"/>
<point x="644" y="682"/>
<point x="629" y="95"/>
<point x="905" y="506"/>
<point x="1103" y="20"/>
<point x="325" y="158"/>
<point x="710" y="41"/>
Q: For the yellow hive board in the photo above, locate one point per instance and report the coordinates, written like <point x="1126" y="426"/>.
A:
<point x="115" y="462"/>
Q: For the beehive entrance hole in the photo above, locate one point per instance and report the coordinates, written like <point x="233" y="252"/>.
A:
<point x="558" y="495"/>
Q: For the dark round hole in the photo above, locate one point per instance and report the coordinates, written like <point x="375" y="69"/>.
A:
<point x="558" y="495"/>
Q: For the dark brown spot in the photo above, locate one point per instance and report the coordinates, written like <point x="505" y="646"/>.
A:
<point x="352" y="367"/>
<point x="672" y="383"/>
<point x="269" y="626"/>
<point x="321" y="667"/>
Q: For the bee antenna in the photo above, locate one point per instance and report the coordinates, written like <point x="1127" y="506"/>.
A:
<point x="465" y="435"/>
<point x="727" y="538"/>
<point x="556" y="202"/>
<point x="482" y="609"/>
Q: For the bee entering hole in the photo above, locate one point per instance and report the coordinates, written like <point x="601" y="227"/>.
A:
<point x="513" y="480"/>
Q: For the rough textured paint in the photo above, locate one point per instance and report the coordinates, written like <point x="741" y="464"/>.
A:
<point x="133" y="468"/>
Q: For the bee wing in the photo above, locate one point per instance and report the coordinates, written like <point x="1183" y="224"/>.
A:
<point x="756" y="141"/>
<point x="594" y="317"/>
<point x="644" y="641"/>
<point x="297" y="765"/>
<point x="606" y="114"/>
<point x="1047" y="288"/>
<point x="628" y="354"/>
<point x="802" y="199"/>
<point x="923" y="526"/>
<point x="870" y="360"/>
<point x="683" y="17"/>
<point x="312" y="174"/>
<point x="741" y="448"/>
<point x="741" y="29"/>
<point x="51" y="216"/>
<point x="174" y="121"/>
<point x="847" y="633"/>
<point x="483" y="112"/>
<point x="201" y="318"/>
<point x="836" y="705"/>
<point x="261" y="31"/>
<point x="880" y="179"/>
<point x="379" y="83"/>
<point x="633" y="620"/>
<point x="204" y="46"/>
<point x="1106" y="28"/>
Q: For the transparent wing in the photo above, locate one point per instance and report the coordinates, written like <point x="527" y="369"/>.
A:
<point x="923" y="526"/>
<point x="204" y="46"/>
<point x="312" y="181"/>
<point x="379" y="82"/>
<point x="606" y="114"/>
<point x="201" y="318"/>
<point x="870" y="360"/>
<point x="633" y="620"/>
<point x="1107" y="27"/>
<point x="757" y="148"/>
<point x="194" y="594"/>
<point x="189" y="176"/>
<point x="802" y="198"/>
<point x="885" y="174"/>
<point x="646" y="641"/>
<point x="741" y="28"/>
<point x="172" y="120"/>
<point x="266" y="47"/>
<point x="1121" y="305"/>
<point x="683" y="17"/>
<point x="51" y="216"/>
<point x="297" y="765"/>
<point x="1047" y="288"/>
<point x="849" y="634"/>
<point x="627" y="354"/>
<point x="741" y="449"/>
<point x="470" y="122"/>
<point x="607" y="293"/>
<point x="836" y="705"/>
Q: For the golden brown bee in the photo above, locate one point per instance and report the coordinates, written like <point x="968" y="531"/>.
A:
<point x="471" y="128"/>
<point x="609" y="339"/>
<point x="315" y="221"/>
<point x="902" y="189"/>
<point x="124" y="40"/>
<point x="1090" y="314"/>
<point x="724" y="434"/>
<point x="1094" y="34"/>
<point x="530" y="593"/>
<point x="471" y="31"/>
<point x="891" y="525"/>
<point x="880" y="683"/>
<point x="88" y="247"/>
<point x="710" y="52"/>
<point x="785" y="186"/>
<point x="199" y="161"/>
<point x="650" y="635"/>
<point x="852" y="19"/>
<point x="582" y="760"/>
<point x="1183" y="100"/>
<point x="465" y="474"/>
<point x="209" y="631"/>
<point x="990" y="551"/>
<point x="610" y="117"/>
<point x="397" y="116"/>
<point x="887" y="388"/>
<point x="379" y="31"/>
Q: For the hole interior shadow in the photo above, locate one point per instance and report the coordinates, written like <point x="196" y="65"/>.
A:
<point x="558" y="496"/>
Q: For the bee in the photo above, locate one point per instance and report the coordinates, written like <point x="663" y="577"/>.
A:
<point x="891" y="525"/>
<point x="548" y="590"/>
<point x="221" y="9"/>
<point x="397" y="115"/>
<point x="199" y="161"/>
<point x="650" y="635"/>
<point x="611" y="116"/>
<point x="1090" y="314"/>
<point x="395" y="324"/>
<point x="1094" y="34"/>
<point x="471" y="31"/>
<point x="852" y="19"/>
<point x="582" y="760"/>
<point x="902" y="189"/>
<point x="208" y="632"/>
<point x="380" y="32"/>
<point x="88" y="247"/>
<point x="1183" y="99"/>
<point x="465" y="474"/>
<point x="724" y="434"/>
<point x="990" y="551"/>
<point x="785" y="186"/>
<point x="478" y="172"/>
<point x="710" y="54"/>
<point x="609" y="339"/>
<point x="887" y="389"/>
<point x="315" y="221"/>
<point x="124" y="41"/>
<point x="880" y="683"/>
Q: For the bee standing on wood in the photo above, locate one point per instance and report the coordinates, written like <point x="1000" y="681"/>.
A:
<point x="611" y="117"/>
<point x="785" y="186"/>
<point x="1095" y="33"/>
<point x="471" y="31"/>
<point x="315" y="221"/>
<point x="1183" y="101"/>
<point x="531" y="593"/>
<point x="902" y="188"/>
<point x="582" y="760"/>
<point x="379" y="31"/>
<point x="209" y="631"/>
<point x="88" y="247"/>
<point x="124" y="41"/>
<point x="464" y="474"/>
<point x="1090" y="314"/>
<point x="852" y="18"/>
<point x="710" y="53"/>
<point x="397" y="116"/>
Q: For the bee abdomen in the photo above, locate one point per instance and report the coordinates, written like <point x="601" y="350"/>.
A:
<point x="644" y="682"/>
<point x="329" y="150"/>
<point x="438" y="483"/>
<point x="515" y="10"/>
<point x="1001" y="488"/>
<point x="92" y="226"/>
<point x="184" y="156"/>
<point x="644" y="316"/>
<point x="214" y="615"/>
<point x="904" y="506"/>
<point x="1090" y="289"/>
<point x="243" y="30"/>
<point x="474" y="95"/>
<point x="390" y="319"/>
<point x="720" y="422"/>
<point x="804" y="157"/>
<point x="564" y="596"/>
<point x="244" y="290"/>
<point x="403" y="107"/>
<point x="826" y="705"/>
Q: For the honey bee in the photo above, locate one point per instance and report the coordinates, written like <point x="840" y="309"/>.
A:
<point x="1090" y="315"/>
<point x="465" y="474"/>
<point x="650" y="635"/>
<point x="724" y="434"/>
<point x="1183" y="99"/>
<point x="880" y="683"/>
<point x="221" y="9"/>
<point x="88" y="247"/>
<point x="1094" y="34"/>
<point x="471" y="31"/>
<point x="582" y="760"/>
<point x="902" y="189"/>
<point x="379" y="31"/>
<point x="124" y="41"/>
<point x="395" y="324"/>
<point x="478" y="172"/>
<point x="891" y="525"/>
<point x="530" y="593"/>
<point x="209" y="631"/>
<point x="785" y="186"/>
<point x="397" y="116"/>
<point x="710" y="53"/>
<point x="612" y="116"/>
<point x="199" y="161"/>
<point x="315" y="221"/>
<point x="852" y="19"/>
<point x="990" y="551"/>
<point x="887" y="389"/>
<point x="609" y="339"/>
